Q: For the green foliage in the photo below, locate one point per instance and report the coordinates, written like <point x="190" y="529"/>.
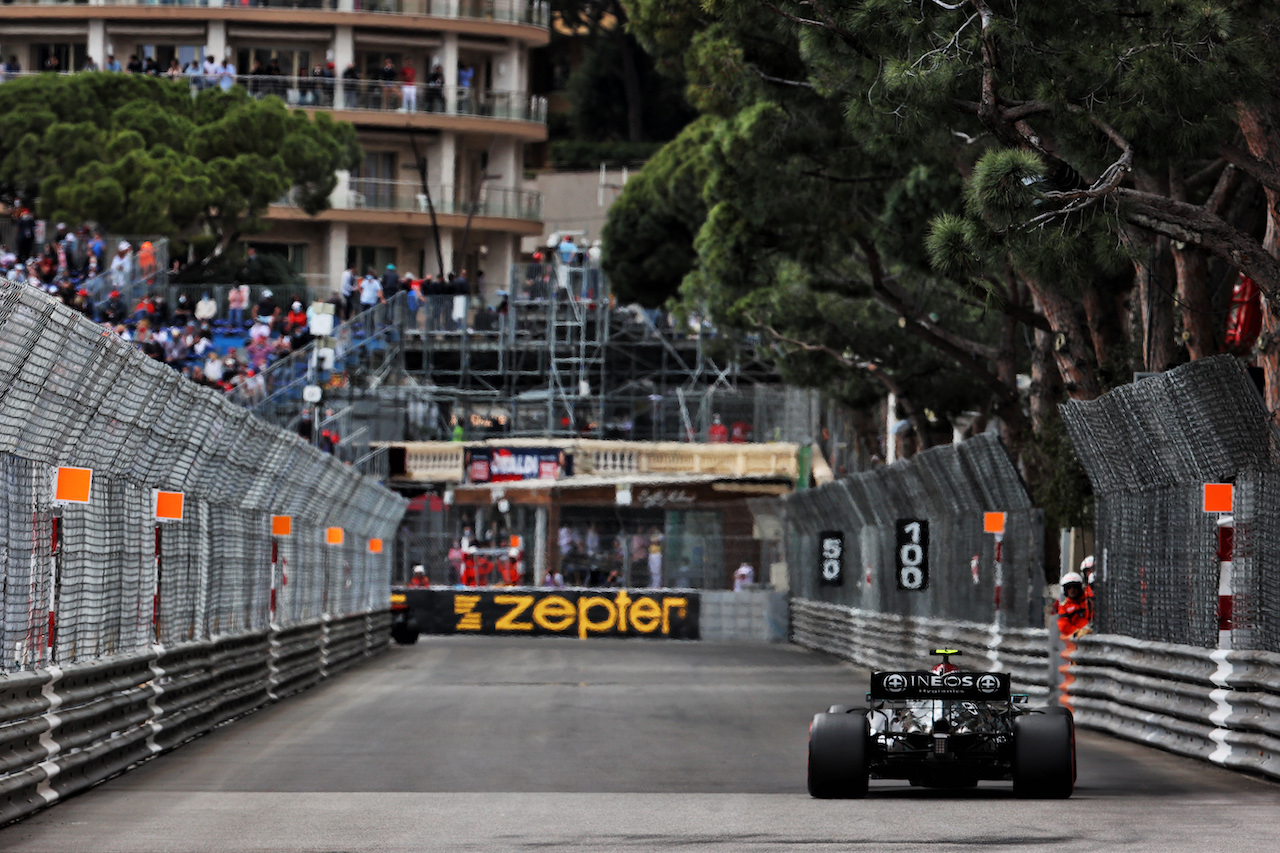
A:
<point x="648" y="239"/>
<point x="582" y="154"/>
<point x="140" y="155"/>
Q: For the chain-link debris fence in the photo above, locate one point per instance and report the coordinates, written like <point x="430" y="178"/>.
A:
<point x="1148" y="449"/>
<point x="85" y="580"/>
<point x="961" y="572"/>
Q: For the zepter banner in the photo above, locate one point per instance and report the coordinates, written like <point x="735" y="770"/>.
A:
<point x="970" y="686"/>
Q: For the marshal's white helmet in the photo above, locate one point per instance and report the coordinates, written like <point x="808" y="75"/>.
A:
<point x="1072" y="577"/>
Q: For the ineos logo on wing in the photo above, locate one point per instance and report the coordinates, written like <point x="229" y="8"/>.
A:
<point x="988" y="684"/>
<point x="895" y="683"/>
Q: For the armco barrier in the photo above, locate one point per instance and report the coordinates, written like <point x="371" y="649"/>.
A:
<point x="63" y="730"/>
<point x="888" y="641"/>
<point x="754" y="616"/>
<point x="1221" y="706"/>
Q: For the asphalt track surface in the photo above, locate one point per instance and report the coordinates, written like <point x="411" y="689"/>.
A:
<point x="482" y="743"/>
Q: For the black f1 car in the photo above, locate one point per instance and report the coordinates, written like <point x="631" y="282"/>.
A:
<point x="942" y="728"/>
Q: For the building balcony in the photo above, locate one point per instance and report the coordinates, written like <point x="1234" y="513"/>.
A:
<point x="379" y="104"/>
<point x="525" y="19"/>
<point x="608" y="461"/>
<point x="393" y="202"/>
<point x="392" y="104"/>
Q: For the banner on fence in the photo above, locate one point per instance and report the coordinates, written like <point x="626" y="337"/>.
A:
<point x="579" y="613"/>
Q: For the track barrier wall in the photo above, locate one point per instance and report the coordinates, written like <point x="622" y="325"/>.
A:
<point x="1219" y="705"/>
<point x="1187" y="651"/>
<point x="671" y="614"/>
<point x="65" y="729"/>
<point x="984" y="593"/>
<point x="120" y="634"/>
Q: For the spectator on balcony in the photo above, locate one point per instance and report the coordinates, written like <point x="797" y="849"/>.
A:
<point x="326" y="85"/>
<point x="256" y="72"/>
<point x="89" y="65"/>
<point x="174" y="73"/>
<point x="206" y="310"/>
<point x="237" y="301"/>
<point x="193" y="75"/>
<point x="134" y="65"/>
<point x="465" y="75"/>
<point x="12" y="68"/>
<point x="151" y="67"/>
<point x="296" y="319"/>
<point x="227" y="75"/>
<point x="112" y="64"/>
<point x="212" y="71"/>
<point x="370" y="291"/>
<point x="213" y="367"/>
<point x="408" y="89"/>
<point x="52" y="65"/>
<point x="84" y="303"/>
<point x="114" y="311"/>
<point x="388" y="74"/>
<point x="349" y="291"/>
<point x="390" y="281"/>
<point x="266" y="310"/>
<point x="182" y="311"/>
<point x="351" y="87"/>
<point x="435" y="89"/>
<point x="275" y="84"/>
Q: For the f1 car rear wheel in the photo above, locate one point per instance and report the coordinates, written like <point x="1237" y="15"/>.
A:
<point x="844" y="709"/>
<point x="1044" y="756"/>
<point x="405" y="631"/>
<point x="838" y="756"/>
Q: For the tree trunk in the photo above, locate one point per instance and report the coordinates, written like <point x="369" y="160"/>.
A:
<point x="1260" y="134"/>
<point x="631" y="85"/>
<point x="1069" y="344"/>
<point x="421" y="163"/>
<point x="1199" y="331"/>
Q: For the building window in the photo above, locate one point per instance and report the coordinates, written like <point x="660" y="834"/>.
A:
<point x="373" y="258"/>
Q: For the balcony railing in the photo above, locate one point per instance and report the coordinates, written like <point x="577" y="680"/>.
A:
<point x="393" y="96"/>
<point x="376" y="95"/>
<point x="442" y="461"/>
<point x="537" y="13"/>
<point x="370" y="194"/>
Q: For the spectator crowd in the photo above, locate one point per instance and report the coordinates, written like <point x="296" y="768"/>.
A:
<point x="393" y="86"/>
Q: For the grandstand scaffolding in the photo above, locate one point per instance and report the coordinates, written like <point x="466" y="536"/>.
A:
<point x="557" y="359"/>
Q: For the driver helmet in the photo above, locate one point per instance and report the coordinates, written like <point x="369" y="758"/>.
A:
<point x="943" y="668"/>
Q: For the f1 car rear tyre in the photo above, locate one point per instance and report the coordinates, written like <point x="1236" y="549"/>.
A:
<point x="405" y="631"/>
<point x="1044" y="756"/>
<point x="838" y="756"/>
<point x="844" y="709"/>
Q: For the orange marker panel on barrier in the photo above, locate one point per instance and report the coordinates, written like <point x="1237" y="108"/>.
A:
<point x="333" y="536"/>
<point x="169" y="506"/>
<point x="73" y="485"/>
<point x="993" y="522"/>
<point x="281" y="525"/>
<point x="375" y="546"/>
<point x="1218" y="497"/>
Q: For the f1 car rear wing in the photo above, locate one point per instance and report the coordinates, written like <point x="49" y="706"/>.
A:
<point x="971" y="686"/>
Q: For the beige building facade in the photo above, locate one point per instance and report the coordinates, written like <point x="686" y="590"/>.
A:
<point x="470" y="124"/>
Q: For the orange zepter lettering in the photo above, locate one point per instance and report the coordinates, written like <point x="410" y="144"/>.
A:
<point x="519" y="604"/>
<point x="464" y="606"/>
<point x="679" y="605"/>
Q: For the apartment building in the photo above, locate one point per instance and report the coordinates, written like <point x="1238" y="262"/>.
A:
<point x="468" y="112"/>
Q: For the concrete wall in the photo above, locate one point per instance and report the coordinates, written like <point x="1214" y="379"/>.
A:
<point x="571" y="202"/>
